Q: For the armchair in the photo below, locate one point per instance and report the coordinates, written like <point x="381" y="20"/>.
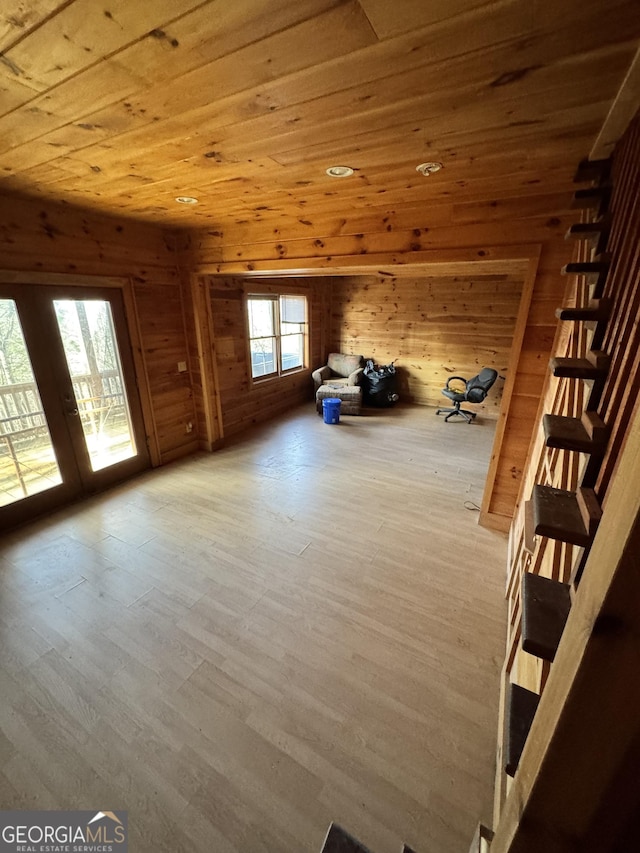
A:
<point x="475" y="391"/>
<point x="340" y="369"/>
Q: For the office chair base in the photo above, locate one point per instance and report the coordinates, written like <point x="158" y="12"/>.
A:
<point x="464" y="413"/>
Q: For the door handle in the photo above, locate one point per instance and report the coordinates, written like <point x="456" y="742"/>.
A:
<point x="69" y="401"/>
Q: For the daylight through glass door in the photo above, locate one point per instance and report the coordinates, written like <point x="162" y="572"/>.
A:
<point x="99" y="397"/>
<point x="28" y="463"/>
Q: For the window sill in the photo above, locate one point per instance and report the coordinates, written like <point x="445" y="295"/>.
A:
<point x="274" y="377"/>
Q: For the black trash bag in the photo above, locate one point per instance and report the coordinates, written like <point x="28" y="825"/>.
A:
<point x="380" y="385"/>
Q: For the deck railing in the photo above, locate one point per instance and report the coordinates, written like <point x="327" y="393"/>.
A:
<point x="99" y="396"/>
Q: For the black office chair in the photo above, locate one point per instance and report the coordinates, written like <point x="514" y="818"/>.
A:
<point x="476" y="389"/>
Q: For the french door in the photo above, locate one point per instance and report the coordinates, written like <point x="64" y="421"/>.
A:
<point x="70" y="416"/>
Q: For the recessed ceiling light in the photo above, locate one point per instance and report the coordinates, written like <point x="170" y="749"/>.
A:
<point x="339" y="171"/>
<point x="186" y="199"/>
<point x="427" y="169"/>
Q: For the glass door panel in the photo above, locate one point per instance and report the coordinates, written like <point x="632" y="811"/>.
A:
<point x="99" y="394"/>
<point x="70" y="416"/>
<point x="28" y="463"/>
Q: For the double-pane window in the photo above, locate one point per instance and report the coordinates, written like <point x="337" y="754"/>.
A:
<point x="277" y="330"/>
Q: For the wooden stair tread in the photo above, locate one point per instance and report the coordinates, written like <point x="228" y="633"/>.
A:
<point x="595" y="271"/>
<point x="545" y="608"/>
<point x="522" y="705"/>
<point x="593" y="231"/>
<point x="482" y="838"/>
<point x="596" y="198"/>
<point x="593" y="367"/>
<point x="592" y="170"/>
<point x="574" y="368"/>
<point x="568" y="433"/>
<point x="338" y="840"/>
<point x="566" y="516"/>
<point x="586" y="267"/>
<point x="597" y="310"/>
<point x="597" y="233"/>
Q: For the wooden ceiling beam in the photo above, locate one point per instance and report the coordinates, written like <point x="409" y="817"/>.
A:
<point x="408" y="240"/>
<point x="510" y="260"/>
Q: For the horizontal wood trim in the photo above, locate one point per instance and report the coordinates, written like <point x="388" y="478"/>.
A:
<point x="67" y="279"/>
<point x="507" y="259"/>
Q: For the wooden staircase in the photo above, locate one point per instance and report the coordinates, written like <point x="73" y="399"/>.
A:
<point x="572" y="628"/>
<point x="571" y="517"/>
<point x="338" y="840"/>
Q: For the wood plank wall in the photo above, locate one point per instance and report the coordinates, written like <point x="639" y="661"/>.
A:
<point x="201" y="357"/>
<point x="243" y="401"/>
<point x="38" y="237"/>
<point x="618" y="407"/>
<point x="404" y="234"/>
<point x="530" y="375"/>
<point x="433" y="328"/>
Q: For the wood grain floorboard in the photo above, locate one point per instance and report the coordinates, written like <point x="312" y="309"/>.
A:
<point x="241" y="647"/>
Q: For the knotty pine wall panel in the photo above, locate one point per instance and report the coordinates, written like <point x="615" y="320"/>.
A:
<point x="531" y="374"/>
<point x="319" y="238"/>
<point x="38" y="237"/>
<point x="243" y="401"/>
<point x="200" y="383"/>
<point x="162" y="330"/>
<point x="432" y="328"/>
<point x="402" y="229"/>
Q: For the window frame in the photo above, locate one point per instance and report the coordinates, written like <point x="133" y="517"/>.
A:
<point x="274" y="297"/>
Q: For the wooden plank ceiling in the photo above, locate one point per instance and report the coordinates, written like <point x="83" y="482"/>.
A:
<point x="122" y="105"/>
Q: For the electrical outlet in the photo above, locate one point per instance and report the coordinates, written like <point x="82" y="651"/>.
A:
<point x="189" y="427"/>
<point x="182" y="367"/>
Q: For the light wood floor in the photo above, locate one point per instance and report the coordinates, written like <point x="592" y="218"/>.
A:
<point x="239" y="648"/>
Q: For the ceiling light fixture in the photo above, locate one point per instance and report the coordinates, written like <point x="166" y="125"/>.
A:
<point x="186" y="199"/>
<point x="427" y="169"/>
<point x="339" y="171"/>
